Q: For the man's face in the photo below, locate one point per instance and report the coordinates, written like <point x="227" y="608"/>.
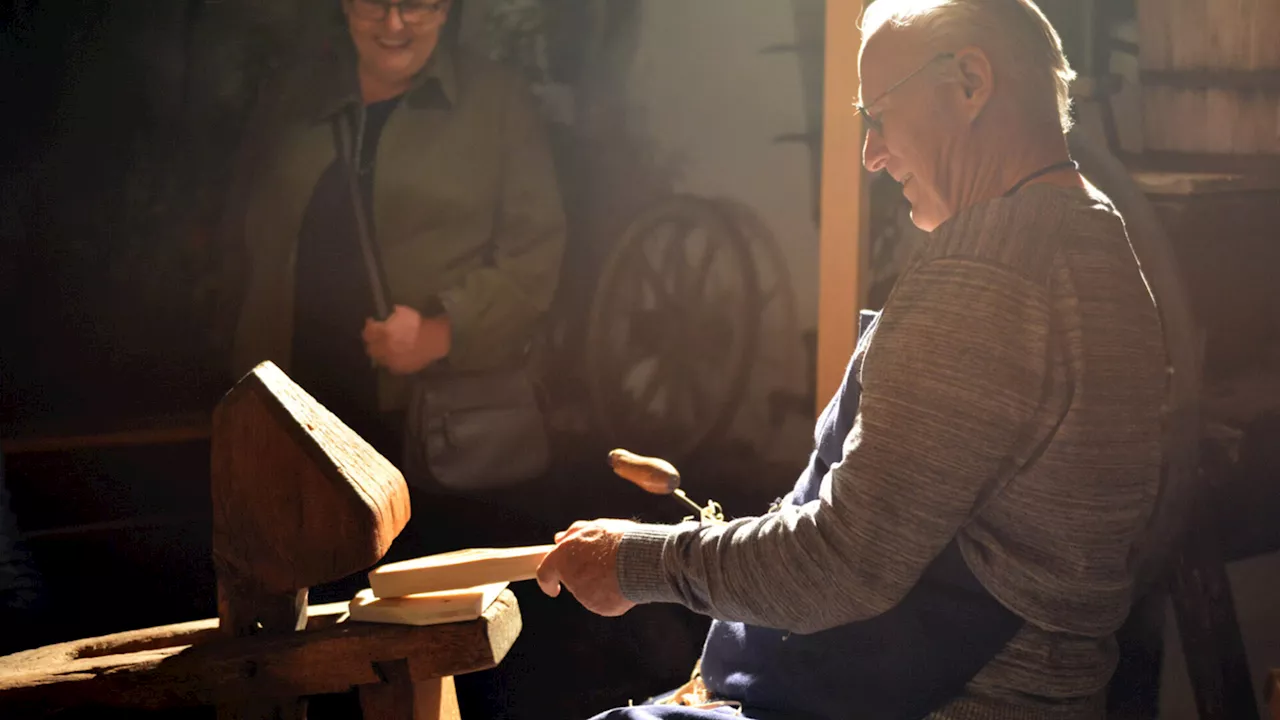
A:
<point x="915" y="127"/>
<point x="395" y="39"/>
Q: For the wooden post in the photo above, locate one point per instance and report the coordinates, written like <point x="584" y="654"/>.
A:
<point x="298" y="499"/>
<point x="245" y="609"/>
<point x="400" y="697"/>
<point x="844" y="198"/>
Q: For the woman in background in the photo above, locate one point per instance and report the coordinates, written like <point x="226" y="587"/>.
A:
<point x="456" y="186"/>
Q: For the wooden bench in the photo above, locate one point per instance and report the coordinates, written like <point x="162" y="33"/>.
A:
<point x="298" y="500"/>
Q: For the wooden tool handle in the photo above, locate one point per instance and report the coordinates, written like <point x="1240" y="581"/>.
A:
<point x="653" y="475"/>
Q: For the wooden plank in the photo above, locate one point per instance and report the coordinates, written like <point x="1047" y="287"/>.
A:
<point x="140" y="670"/>
<point x="425" y="608"/>
<point x="457" y="570"/>
<point x="1208" y="79"/>
<point x="143" y="432"/>
<point x="1203" y="183"/>
<point x="139" y="524"/>
<point x="183" y="634"/>
<point x="844" y="198"/>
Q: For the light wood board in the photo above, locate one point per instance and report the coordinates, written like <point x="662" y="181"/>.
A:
<point x="459" y="569"/>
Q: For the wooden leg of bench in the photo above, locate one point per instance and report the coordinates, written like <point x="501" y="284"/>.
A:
<point x="244" y="609"/>
<point x="399" y="697"/>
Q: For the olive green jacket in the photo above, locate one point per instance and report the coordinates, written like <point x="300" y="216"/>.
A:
<point x="466" y="209"/>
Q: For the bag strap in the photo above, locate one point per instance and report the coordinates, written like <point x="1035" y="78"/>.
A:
<point x="349" y="156"/>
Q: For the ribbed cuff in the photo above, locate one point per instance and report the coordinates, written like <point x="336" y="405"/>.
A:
<point x="640" y="573"/>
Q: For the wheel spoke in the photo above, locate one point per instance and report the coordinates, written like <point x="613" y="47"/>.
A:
<point x="673" y="265"/>
<point x="702" y="273"/>
<point x="651" y="277"/>
<point x="694" y="390"/>
<point x="649" y="393"/>
<point x="767" y="296"/>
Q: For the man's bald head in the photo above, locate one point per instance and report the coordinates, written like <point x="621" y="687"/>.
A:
<point x="1024" y="49"/>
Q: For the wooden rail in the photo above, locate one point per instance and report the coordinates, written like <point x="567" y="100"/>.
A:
<point x="167" y="430"/>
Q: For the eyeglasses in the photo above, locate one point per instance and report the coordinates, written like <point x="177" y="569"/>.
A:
<point x="412" y="12"/>
<point x="865" y="110"/>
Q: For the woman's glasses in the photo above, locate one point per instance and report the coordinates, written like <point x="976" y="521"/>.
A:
<point x="412" y="12"/>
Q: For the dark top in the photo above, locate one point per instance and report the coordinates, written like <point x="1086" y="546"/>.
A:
<point x="332" y="296"/>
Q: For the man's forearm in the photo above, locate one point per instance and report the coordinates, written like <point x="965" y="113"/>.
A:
<point x="781" y="570"/>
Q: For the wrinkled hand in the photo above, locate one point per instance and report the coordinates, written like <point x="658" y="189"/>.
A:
<point x="406" y="342"/>
<point x="585" y="561"/>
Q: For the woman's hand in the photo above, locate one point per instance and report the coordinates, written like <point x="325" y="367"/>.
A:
<point x="406" y="342"/>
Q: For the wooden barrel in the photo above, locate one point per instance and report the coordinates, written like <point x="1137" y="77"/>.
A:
<point x="1211" y="81"/>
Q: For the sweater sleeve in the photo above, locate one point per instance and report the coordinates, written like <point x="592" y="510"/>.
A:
<point x="955" y="384"/>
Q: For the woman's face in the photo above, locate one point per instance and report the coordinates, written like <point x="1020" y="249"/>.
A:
<point x="394" y="39"/>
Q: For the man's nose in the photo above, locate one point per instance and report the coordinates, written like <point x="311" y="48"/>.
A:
<point x="874" y="152"/>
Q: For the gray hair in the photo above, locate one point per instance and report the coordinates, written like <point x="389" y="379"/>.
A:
<point x="1024" y="43"/>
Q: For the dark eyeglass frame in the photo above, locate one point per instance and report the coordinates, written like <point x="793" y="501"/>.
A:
<point x="865" y="110"/>
<point x="427" y="10"/>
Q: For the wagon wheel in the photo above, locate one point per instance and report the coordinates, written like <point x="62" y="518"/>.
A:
<point x="671" y="335"/>
<point x="778" y="369"/>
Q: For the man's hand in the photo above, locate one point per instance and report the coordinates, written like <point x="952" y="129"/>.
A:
<point x="585" y="561"/>
<point x="406" y="342"/>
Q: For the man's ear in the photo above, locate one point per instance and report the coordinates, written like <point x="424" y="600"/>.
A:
<point x="976" y="78"/>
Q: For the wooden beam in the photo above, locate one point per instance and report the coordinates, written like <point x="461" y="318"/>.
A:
<point x="844" y="199"/>
<point x="155" y="669"/>
<point x="150" y="431"/>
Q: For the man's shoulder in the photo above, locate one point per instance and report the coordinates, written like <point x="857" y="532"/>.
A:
<point x="1029" y="231"/>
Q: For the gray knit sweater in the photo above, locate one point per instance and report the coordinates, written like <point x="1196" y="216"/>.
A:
<point x="1012" y="398"/>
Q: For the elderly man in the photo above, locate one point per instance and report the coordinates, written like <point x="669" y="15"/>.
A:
<point x="960" y="545"/>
